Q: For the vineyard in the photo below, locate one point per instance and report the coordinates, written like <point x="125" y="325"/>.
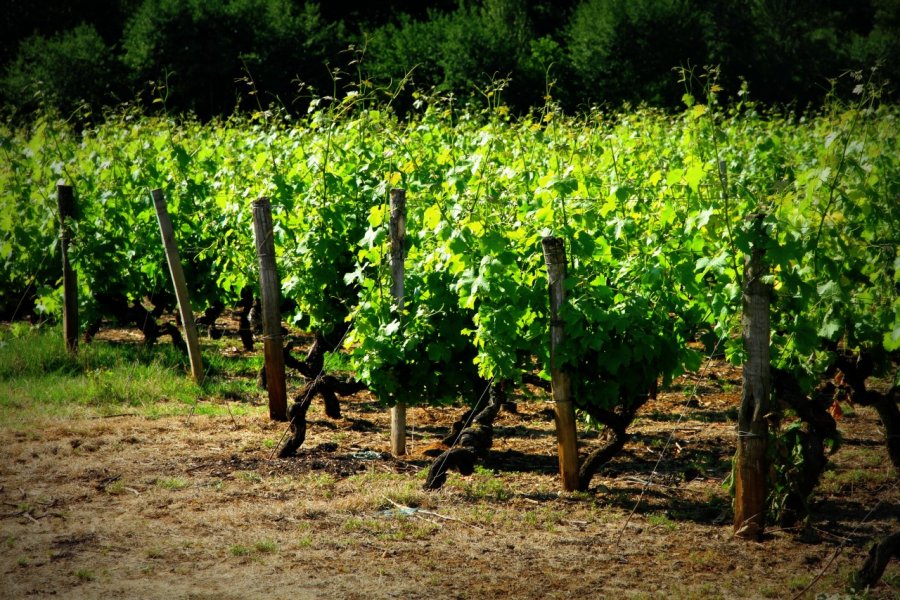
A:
<point x="657" y="214"/>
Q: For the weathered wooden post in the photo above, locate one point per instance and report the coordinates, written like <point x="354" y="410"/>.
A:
<point x="750" y="464"/>
<point x="398" y="239"/>
<point x="555" y="257"/>
<point x="178" y="282"/>
<point x="269" y="291"/>
<point x="66" y="200"/>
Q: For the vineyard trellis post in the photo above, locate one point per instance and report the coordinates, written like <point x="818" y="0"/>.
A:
<point x="269" y="295"/>
<point x="178" y="282"/>
<point x="66" y="200"/>
<point x="398" y="241"/>
<point x="750" y="464"/>
<point x="555" y="258"/>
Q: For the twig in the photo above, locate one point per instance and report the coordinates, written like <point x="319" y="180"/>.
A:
<point x="433" y="514"/>
<point x="115" y="416"/>
<point x="433" y="522"/>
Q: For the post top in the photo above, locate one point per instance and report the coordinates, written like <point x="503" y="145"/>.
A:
<point x="552" y="242"/>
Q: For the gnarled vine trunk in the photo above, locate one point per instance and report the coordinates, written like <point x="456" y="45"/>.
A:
<point x="472" y="442"/>
<point x="329" y="388"/>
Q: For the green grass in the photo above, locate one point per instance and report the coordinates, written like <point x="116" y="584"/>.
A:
<point x="484" y="485"/>
<point x="40" y="380"/>
<point x="265" y="546"/>
<point x="661" y="520"/>
<point x="172" y="483"/>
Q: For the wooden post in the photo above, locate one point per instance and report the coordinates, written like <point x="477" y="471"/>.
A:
<point x="66" y="200"/>
<point x="269" y="291"/>
<point x="181" y="292"/>
<point x="750" y="465"/>
<point x="555" y="257"/>
<point x="398" y="238"/>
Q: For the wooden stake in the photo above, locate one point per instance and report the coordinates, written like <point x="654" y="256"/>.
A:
<point x="66" y="200"/>
<point x="269" y="291"/>
<point x="750" y="465"/>
<point x="555" y="257"/>
<point x="398" y="238"/>
<point x="181" y="292"/>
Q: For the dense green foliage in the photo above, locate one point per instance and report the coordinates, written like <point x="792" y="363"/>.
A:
<point x="214" y="57"/>
<point x="654" y="211"/>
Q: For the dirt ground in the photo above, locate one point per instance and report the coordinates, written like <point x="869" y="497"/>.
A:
<point x="129" y="507"/>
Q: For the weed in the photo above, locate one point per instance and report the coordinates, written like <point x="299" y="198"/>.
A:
<point x="85" y="575"/>
<point x="22" y="561"/>
<point x="240" y="550"/>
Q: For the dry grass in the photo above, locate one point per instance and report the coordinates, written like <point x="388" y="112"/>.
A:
<point x="178" y="507"/>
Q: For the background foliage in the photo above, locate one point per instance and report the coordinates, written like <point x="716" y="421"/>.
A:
<point x="198" y="56"/>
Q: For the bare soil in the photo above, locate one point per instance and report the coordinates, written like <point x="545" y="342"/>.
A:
<point x="128" y="507"/>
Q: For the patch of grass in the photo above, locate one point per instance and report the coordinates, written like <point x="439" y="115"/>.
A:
<point x="172" y="483"/>
<point x="393" y="528"/>
<point x="482" y="514"/>
<point x="40" y="380"/>
<point x="115" y="488"/>
<point x="407" y="494"/>
<point x="703" y="558"/>
<point x="835" y="481"/>
<point x="705" y="591"/>
<point x="154" y="552"/>
<point x="797" y="582"/>
<point x="484" y="485"/>
<point x="265" y="546"/>
<point x="324" y="483"/>
<point x="85" y="575"/>
<point x="22" y="561"/>
<point x="249" y="476"/>
<point x="259" y="547"/>
<point x="544" y="517"/>
<point x="661" y="520"/>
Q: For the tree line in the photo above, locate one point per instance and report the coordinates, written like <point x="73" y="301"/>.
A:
<point x="213" y="58"/>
